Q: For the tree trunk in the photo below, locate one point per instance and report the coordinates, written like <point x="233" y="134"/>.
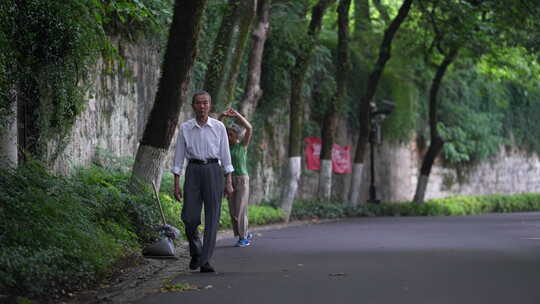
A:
<point x="248" y="9"/>
<point x="325" y="180"/>
<point x="296" y="113"/>
<point x="294" y="167"/>
<point x="332" y="116"/>
<point x="362" y="19"/>
<point x="371" y="88"/>
<point x="433" y="151"/>
<point x="176" y="69"/>
<point x="8" y="137"/>
<point x="29" y="131"/>
<point x="328" y="131"/>
<point x="215" y="75"/>
<point x="436" y="144"/>
<point x="253" y="90"/>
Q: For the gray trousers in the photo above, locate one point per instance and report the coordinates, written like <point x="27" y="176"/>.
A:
<point x="203" y="186"/>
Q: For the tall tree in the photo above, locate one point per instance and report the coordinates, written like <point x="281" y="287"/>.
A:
<point x="247" y="12"/>
<point x="471" y="28"/>
<point x="214" y="81"/>
<point x="365" y="101"/>
<point x="172" y="90"/>
<point x="296" y="111"/>
<point x="332" y="115"/>
<point x="436" y="140"/>
<point x="253" y="91"/>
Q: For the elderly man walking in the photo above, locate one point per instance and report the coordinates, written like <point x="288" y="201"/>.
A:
<point x="203" y="142"/>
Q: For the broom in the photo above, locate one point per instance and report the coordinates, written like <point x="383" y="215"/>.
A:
<point x="164" y="248"/>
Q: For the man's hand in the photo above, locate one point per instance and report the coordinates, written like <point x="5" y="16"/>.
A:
<point x="177" y="192"/>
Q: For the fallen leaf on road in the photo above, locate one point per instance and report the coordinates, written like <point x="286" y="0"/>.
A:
<point x="337" y="274"/>
<point x="176" y="288"/>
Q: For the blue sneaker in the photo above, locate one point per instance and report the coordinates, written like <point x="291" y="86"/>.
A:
<point x="249" y="236"/>
<point x="243" y="243"/>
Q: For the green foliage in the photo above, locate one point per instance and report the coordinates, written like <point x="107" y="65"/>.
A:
<point x="257" y="215"/>
<point x="521" y="116"/>
<point x="51" y="47"/>
<point x="60" y="233"/>
<point x="263" y="215"/>
<point x="134" y="19"/>
<point x="456" y="205"/>
<point x="397" y="86"/>
<point x="314" y="209"/>
<point x="50" y="238"/>
<point x="49" y="44"/>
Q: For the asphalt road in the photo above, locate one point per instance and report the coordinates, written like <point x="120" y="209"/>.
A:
<point x="434" y="260"/>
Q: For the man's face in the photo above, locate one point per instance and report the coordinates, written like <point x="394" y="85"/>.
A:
<point x="201" y="106"/>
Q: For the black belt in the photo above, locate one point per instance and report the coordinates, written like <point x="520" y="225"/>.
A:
<point x="203" y="161"/>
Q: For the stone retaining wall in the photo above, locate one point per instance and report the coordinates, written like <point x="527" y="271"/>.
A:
<point x="119" y="104"/>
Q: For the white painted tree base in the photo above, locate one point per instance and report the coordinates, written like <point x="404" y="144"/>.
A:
<point x="325" y="180"/>
<point x="291" y="185"/>
<point x="356" y="183"/>
<point x="8" y="141"/>
<point x="148" y="167"/>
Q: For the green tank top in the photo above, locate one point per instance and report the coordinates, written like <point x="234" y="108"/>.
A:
<point x="239" y="159"/>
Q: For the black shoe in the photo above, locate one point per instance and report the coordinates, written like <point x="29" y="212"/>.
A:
<point x="194" y="263"/>
<point x="207" y="268"/>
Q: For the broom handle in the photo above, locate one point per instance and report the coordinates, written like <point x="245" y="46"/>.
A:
<point x="159" y="204"/>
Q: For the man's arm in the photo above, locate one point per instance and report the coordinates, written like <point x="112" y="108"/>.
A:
<point x="178" y="163"/>
<point x="177" y="192"/>
<point x="226" y="162"/>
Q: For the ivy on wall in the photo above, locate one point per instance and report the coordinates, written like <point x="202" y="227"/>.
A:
<point x="47" y="48"/>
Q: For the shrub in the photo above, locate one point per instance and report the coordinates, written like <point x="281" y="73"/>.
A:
<point x="257" y="215"/>
<point x="306" y="209"/>
<point x="61" y="233"/>
<point x="456" y="205"/>
<point x="51" y="237"/>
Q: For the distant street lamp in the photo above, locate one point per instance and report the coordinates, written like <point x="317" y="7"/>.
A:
<point x="377" y="115"/>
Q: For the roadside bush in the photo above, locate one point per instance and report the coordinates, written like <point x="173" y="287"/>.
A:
<point x="307" y="209"/>
<point x="50" y="238"/>
<point x="61" y="233"/>
<point x="263" y="215"/>
<point x="257" y="215"/>
<point x="456" y="205"/>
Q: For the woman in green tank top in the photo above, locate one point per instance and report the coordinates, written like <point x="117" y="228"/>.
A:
<point x="239" y="134"/>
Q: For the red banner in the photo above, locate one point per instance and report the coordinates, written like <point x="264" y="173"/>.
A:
<point x="341" y="156"/>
